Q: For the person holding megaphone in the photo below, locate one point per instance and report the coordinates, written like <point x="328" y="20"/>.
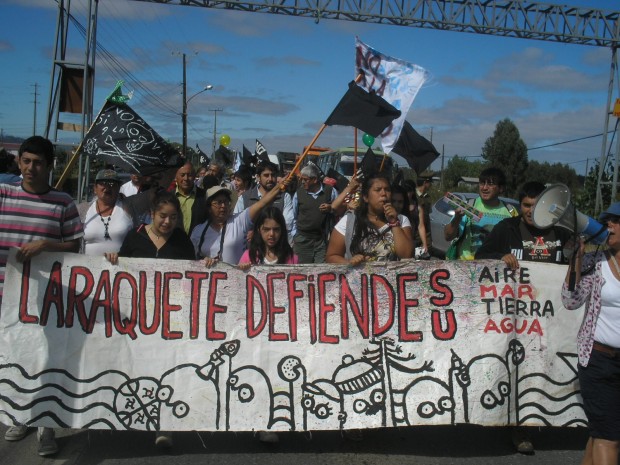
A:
<point x="597" y="285"/>
<point x="519" y="238"/>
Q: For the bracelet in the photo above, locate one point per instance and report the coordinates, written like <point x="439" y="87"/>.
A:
<point x="395" y="224"/>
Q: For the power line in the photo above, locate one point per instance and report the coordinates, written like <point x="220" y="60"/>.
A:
<point x="568" y="141"/>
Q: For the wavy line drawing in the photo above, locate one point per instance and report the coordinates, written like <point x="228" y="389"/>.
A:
<point x="381" y="386"/>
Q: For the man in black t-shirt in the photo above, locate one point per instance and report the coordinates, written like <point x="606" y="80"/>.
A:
<point x="516" y="239"/>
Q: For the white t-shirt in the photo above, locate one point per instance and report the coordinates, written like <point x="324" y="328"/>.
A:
<point x="608" y="322"/>
<point x="381" y="245"/>
<point x="234" y="242"/>
<point x="119" y="223"/>
<point x="128" y="189"/>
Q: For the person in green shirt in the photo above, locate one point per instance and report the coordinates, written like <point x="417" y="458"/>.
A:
<point x="467" y="235"/>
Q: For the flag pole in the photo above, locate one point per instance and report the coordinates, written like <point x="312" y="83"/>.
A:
<point x="74" y="157"/>
<point x="313" y="141"/>
<point x="382" y="161"/>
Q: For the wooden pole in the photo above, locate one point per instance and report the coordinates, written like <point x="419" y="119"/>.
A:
<point x="313" y="141"/>
<point x="76" y="154"/>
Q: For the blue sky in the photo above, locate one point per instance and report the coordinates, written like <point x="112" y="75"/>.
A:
<point x="276" y="78"/>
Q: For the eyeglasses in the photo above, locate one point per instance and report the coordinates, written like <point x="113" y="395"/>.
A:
<point x="304" y="179"/>
<point x="488" y="183"/>
<point x="219" y="203"/>
<point x="108" y="184"/>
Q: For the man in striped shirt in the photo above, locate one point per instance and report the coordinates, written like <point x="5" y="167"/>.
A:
<point x="36" y="218"/>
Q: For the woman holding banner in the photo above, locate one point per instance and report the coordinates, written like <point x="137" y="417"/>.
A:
<point x="597" y="284"/>
<point x="160" y="239"/>
<point x="375" y="231"/>
<point x="269" y="246"/>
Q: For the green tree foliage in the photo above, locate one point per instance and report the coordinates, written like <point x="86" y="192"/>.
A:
<point x="552" y="174"/>
<point x="586" y="199"/>
<point x="506" y="150"/>
<point x="459" y="167"/>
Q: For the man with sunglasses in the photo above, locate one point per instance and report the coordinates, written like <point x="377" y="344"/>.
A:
<point x="468" y="235"/>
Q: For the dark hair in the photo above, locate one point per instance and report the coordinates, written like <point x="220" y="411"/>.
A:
<point x="245" y="175"/>
<point x="401" y="190"/>
<point x="266" y="165"/>
<point x="38" y="146"/>
<point x="209" y="181"/>
<point x="257" y="246"/>
<point x="7" y="163"/>
<point x="362" y="228"/>
<point x="531" y="189"/>
<point x="164" y="197"/>
<point x="493" y="174"/>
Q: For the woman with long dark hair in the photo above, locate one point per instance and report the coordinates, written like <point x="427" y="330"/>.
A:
<point x="375" y="231"/>
<point x="401" y="202"/>
<point x="269" y="244"/>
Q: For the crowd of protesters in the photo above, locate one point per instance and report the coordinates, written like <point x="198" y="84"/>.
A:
<point x="258" y="217"/>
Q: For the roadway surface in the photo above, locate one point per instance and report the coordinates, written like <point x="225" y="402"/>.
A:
<point x="415" y="445"/>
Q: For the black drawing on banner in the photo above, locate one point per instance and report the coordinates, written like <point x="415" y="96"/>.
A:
<point x="381" y="387"/>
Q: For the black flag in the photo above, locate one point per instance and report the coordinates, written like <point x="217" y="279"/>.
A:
<point x="363" y="110"/>
<point x="261" y="151"/>
<point x="415" y="149"/>
<point x="121" y="137"/>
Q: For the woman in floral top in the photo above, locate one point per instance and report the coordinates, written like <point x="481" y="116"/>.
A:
<point x="597" y="284"/>
<point x="375" y="232"/>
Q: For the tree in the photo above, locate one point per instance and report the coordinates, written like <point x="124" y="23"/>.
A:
<point x="506" y="150"/>
<point x="553" y="174"/>
<point x="459" y="167"/>
<point x="586" y="200"/>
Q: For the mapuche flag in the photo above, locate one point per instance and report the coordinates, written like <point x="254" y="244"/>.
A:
<point x="119" y="136"/>
<point x="363" y="110"/>
<point x="396" y="80"/>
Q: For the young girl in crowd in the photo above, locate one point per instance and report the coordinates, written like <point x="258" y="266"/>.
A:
<point x="269" y="244"/>
<point x="161" y="238"/>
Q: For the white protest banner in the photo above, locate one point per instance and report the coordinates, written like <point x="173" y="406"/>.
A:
<point x="171" y="345"/>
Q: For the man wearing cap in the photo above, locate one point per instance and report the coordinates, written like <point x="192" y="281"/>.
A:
<point x="266" y="173"/>
<point x="35" y="218"/>
<point x="191" y="198"/>
<point x="105" y="221"/>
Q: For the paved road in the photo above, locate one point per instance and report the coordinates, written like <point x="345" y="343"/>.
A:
<point x="420" y="446"/>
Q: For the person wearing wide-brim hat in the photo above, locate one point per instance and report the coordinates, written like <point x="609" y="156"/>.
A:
<point x="222" y="236"/>
<point x="597" y="284"/>
<point x="105" y="223"/>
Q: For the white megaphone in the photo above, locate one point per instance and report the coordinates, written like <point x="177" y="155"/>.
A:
<point x="553" y="207"/>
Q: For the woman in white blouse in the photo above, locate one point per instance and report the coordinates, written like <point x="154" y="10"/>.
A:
<point x="106" y="223"/>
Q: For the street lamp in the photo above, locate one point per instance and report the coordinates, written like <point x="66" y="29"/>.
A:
<point x="185" y="102"/>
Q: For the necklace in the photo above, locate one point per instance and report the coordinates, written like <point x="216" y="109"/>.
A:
<point x="157" y="236"/>
<point x="106" y="223"/>
<point x="615" y="262"/>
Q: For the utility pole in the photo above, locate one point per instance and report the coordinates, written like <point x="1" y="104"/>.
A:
<point x="215" y="110"/>
<point x="184" y="114"/>
<point x="34" y="121"/>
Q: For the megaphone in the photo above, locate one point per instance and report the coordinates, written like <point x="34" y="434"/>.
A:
<point x="553" y="207"/>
